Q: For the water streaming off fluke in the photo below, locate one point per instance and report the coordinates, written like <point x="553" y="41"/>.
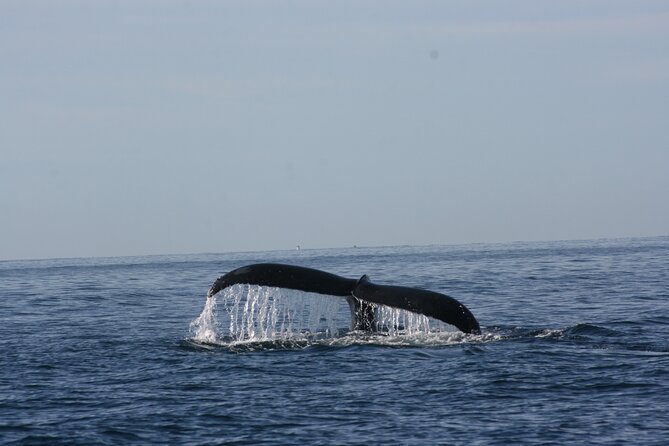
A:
<point x="249" y="313"/>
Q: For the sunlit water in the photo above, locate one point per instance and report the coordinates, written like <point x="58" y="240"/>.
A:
<point x="574" y="350"/>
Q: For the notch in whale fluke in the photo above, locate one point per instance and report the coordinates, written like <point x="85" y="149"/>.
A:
<point x="359" y="293"/>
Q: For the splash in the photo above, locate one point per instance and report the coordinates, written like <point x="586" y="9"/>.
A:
<point x="257" y="314"/>
<point x="396" y="322"/>
<point x="204" y="328"/>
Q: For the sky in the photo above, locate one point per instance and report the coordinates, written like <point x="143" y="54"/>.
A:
<point x="165" y="127"/>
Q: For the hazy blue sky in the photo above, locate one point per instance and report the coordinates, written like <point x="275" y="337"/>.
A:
<point x="148" y="127"/>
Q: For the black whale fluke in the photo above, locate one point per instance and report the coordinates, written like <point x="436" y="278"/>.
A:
<point x="360" y="293"/>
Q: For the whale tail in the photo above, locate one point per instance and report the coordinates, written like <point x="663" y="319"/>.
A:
<point x="362" y="295"/>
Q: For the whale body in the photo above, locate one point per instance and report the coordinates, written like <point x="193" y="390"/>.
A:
<point x="362" y="294"/>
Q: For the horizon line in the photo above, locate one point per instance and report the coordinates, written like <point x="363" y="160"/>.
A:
<point x="34" y="259"/>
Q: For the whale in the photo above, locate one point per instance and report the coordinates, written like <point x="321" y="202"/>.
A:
<point x="362" y="295"/>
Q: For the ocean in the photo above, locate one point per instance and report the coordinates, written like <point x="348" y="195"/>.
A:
<point x="574" y="349"/>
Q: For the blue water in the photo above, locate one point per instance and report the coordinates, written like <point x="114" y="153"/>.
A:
<point x="574" y="350"/>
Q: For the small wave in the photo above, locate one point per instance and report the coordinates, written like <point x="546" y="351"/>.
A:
<point x="590" y="330"/>
<point x="549" y="333"/>
<point x="582" y="330"/>
<point x="574" y="332"/>
<point x="596" y="337"/>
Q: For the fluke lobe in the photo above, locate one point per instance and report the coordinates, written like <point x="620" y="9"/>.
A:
<point x="362" y="295"/>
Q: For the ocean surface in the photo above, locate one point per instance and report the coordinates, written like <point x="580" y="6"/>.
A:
<point x="574" y="350"/>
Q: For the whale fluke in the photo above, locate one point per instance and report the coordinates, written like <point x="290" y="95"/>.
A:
<point x="361" y="294"/>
